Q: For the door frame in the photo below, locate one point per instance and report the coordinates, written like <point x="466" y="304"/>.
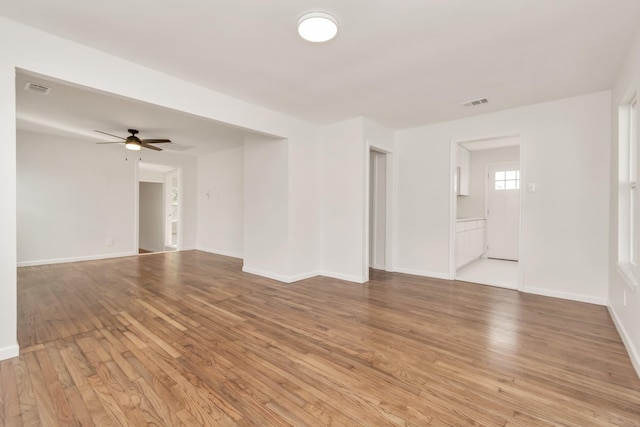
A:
<point x="375" y="159"/>
<point x="167" y="208"/>
<point x="453" y="202"/>
<point x="389" y="213"/>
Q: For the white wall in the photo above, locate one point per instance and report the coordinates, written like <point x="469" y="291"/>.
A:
<point x="151" y="214"/>
<point x="344" y="196"/>
<point x="147" y="175"/>
<point x="565" y="152"/>
<point x="342" y="200"/>
<point x="626" y="316"/>
<point x="72" y="196"/>
<point x="266" y="207"/>
<point x="423" y="190"/>
<point x="221" y="202"/>
<point x="304" y="209"/>
<point x="473" y="205"/>
<point x="8" y="251"/>
<point x="281" y="218"/>
<point x="378" y="136"/>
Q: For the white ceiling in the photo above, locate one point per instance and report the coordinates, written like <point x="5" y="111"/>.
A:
<point x="401" y="63"/>
<point x="77" y="112"/>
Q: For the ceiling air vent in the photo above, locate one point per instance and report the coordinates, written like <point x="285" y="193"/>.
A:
<point x="475" y="102"/>
<point x="35" y="87"/>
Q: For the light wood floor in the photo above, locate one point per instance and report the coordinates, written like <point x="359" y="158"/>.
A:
<point x="187" y="339"/>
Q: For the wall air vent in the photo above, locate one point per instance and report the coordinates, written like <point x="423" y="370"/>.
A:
<point x="35" y="87"/>
<point x="475" y="102"/>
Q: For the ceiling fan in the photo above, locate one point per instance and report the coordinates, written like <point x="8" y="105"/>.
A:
<point x="132" y="142"/>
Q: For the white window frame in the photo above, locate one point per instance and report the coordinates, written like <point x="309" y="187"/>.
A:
<point x="506" y="179"/>
<point x="628" y="198"/>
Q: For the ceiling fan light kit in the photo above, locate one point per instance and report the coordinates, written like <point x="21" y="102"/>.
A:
<point x="132" y="145"/>
<point x="317" y="27"/>
<point x="132" y="142"/>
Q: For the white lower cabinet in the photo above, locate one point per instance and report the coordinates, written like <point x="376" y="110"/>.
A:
<point x="470" y="241"/>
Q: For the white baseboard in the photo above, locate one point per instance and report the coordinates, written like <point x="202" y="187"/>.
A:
<point x="9" y="352"/>
<point x="340" y="276"/>
<point x="279" y="277"/>
<point x="74" y="259"/>
<point x="565" y="295"/>
<point x="267" y="274"/>
<point x="634" y="355"/>
<point x="423" y="273"/>
<point x="302" y="276"/>
<point x="220" y="252"/>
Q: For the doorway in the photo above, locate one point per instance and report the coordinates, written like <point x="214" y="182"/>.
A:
<point x="151" y="217"/>
<point x="378" y="215"/>
<point x="487" y="211"/>
<point x="158" y="208"/>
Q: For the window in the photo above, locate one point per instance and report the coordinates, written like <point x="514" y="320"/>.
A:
<point x="507" y="180"/>
<point x="628" y="209"/>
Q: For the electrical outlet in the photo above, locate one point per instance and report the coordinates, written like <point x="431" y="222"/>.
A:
<point x="109" y="241"/>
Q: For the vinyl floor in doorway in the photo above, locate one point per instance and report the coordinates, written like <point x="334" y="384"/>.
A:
<point x="187" y="339"/>
<point x="493" y="272"/>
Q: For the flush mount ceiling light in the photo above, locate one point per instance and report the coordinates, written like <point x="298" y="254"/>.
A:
<point x="317" y="27"/>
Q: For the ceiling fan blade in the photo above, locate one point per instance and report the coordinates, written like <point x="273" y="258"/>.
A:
<point x="114" y="142"/>
<point x="156" y="141"/>
<point x="115" y="136"/>
<point x="151" y="147"/>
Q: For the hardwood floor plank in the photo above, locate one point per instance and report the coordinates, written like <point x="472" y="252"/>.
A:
<point x="99" y="415"/>
<point x="61" y="407"/>
<point x="201" y="404"/>
<point x="28" y="405"/>
<point x="114" y="411"/>
<point x="161" y="315"/>
<point x="187" y="339"/>
<point x="43" y="400"/>
<point x="9" y="391"/>
<point x="10" y="397"/>
<point x="79" y="410"/>
<point x="150" y="335"/>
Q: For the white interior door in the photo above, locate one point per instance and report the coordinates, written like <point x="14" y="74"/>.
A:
<point x="503" y="210"/>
